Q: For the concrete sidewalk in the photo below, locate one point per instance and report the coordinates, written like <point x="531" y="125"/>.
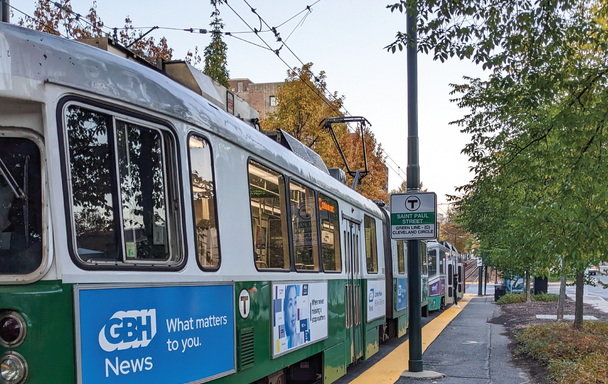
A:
<point x="471" y="350"/>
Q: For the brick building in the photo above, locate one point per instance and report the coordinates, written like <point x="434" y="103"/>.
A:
<point x="261" y="97"/>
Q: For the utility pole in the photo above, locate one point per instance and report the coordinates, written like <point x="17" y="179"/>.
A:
<point x="485" y="280"/>
<point x="413" y="185"/>
<point x="480" y="280"/>
<point x="5" y="11"/>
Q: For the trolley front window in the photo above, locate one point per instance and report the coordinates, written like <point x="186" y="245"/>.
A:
<point x="120" y="190"/>
<point x="268" y="217"/>
<point x="370" y="245"/>
<point x="203" y="200"/>
<point x="20" y="207"/>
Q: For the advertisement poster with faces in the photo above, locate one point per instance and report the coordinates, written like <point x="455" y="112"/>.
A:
<point x="299" y="315"/>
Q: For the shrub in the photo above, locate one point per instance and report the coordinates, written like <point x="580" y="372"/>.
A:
<point x="589" y="369"/>
<point x="572" y="356"/>
<point x="546" y="297"/>
<point x="511" y="298"/>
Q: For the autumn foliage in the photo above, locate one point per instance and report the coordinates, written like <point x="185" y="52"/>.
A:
<point x="62" y="20"/>
<point x="302" y="104"/>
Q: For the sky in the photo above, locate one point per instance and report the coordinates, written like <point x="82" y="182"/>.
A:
<point x="344" y="38"/>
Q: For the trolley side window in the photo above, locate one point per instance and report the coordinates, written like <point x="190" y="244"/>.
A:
<point x="204" y="203"/>
<point x="401" y="249"/>
<point x="371" y="254"/>
<point x="268" y="217"/>
<point x="432" y="262"/>
<point x="304" y="227"/>
<point x="423" y="259"/>
<point x="330" y="234"/>
<point x="20" y="206"/>
<point x="120" y="194"/>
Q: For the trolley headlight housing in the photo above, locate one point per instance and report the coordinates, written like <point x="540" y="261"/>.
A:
<point x="13" y="329"/>
<point x="13" y="368"/>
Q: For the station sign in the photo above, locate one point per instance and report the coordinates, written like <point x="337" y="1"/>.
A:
<point x="414" y="216"/>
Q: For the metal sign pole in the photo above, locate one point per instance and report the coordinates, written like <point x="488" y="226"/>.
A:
<point x="5" y="12"/>
<point x="413" y="185"/>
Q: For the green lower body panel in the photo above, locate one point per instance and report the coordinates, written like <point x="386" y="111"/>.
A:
<point x="334" y="364"/>
<point x="48" y="350"/>
<point x="435" y="302"/>
<point x="402" y="325"/>
<point x="372" y="344"/>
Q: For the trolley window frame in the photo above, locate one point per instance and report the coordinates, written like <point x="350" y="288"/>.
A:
<point x="371" y="248"/>
<point x="201" y="136"/>
<point x="315" y="193"/>
<point x="171" y="172"/>
<point x="322" y="195"/>
<point x="291" y="268"/>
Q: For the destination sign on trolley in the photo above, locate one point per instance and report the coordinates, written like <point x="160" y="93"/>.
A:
<point x="414" y="216"/>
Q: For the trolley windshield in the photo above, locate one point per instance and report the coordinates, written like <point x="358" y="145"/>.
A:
<point x="20" y="207"/>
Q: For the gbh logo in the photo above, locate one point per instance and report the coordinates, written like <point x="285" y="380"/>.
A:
<point x="128" y="329"/>
<point x="371" y="296"/>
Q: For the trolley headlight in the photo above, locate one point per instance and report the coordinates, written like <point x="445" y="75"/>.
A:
<point x="13" y="368"/>
<point x="12" y="329"/>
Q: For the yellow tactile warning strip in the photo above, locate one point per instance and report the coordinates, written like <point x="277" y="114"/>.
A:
<point x="389" y="369"/>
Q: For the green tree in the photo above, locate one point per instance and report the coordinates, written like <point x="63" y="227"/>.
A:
<point x="452" y="231"/>
<point x="216" y="60"/>
<point x="538" y="126"/>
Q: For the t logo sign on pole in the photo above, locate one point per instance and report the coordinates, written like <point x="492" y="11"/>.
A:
<point x="414" y="216"/>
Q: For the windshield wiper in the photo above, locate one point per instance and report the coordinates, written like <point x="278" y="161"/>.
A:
<point x="11" y="181"/>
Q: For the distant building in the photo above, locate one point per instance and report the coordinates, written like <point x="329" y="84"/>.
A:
<point x="262" y="97"/>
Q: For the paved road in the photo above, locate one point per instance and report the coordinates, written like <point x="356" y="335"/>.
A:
<point x="590" y="290"/>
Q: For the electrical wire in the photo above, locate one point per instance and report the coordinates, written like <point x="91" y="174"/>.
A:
<point x="249" y="42"/>
<point x="308" y="8"/>
<point x="314" y="90"/>
<point x="78" y="16"/>
<point x="324" y="99"/>
<point x="283" y="43"/>
<point x="297" y="25"/>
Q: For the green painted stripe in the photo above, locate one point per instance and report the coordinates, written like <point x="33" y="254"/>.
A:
<point x="412" y="218"/>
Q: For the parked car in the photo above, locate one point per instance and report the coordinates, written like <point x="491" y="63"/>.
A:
<point x="593" y="270"/>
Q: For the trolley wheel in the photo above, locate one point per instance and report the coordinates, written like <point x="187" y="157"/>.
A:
<point x="442" y="305"/>
<point x="425" y="311"/>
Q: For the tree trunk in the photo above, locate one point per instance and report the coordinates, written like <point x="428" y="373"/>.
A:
<point x="578" y="306"/>
<point x="562" y="299"/>
<point x="528" y="298"/>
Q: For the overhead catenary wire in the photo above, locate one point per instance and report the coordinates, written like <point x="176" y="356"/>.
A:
<point x="276" y="51"/>
<point x="283" y="43"/>
<point x="80" y="19"/>
<point x="78" y="16"/>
